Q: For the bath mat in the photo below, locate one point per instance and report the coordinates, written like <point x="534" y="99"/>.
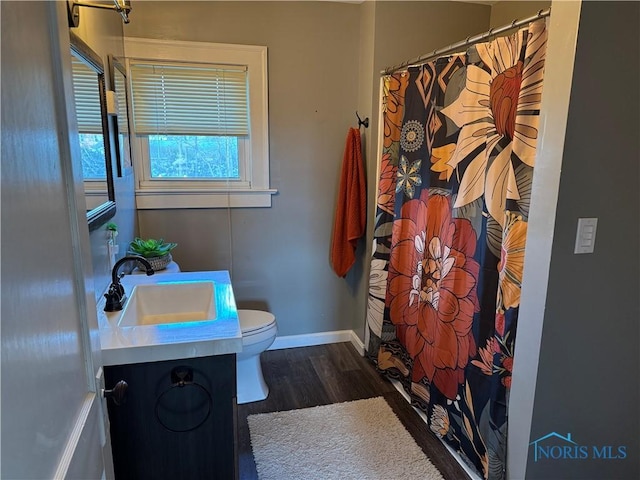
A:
<point x="360" y="440"/>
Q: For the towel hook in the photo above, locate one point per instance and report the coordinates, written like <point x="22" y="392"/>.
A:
<point x="361" y="122"/>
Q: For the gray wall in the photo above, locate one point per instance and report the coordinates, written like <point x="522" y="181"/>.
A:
<point x="503" y="13"/>
<point x="321" y="56"/>
<point x="278" y="256"/>
<point x="588" y="375"/>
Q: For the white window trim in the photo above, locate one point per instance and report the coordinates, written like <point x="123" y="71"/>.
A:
<point x="198" y="194"/>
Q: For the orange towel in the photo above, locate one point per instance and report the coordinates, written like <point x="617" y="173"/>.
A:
<point x="351" y="209"/>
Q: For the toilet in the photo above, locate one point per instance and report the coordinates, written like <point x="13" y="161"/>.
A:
<point x="259" y="330"/>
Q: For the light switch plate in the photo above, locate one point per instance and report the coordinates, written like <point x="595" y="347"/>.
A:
<point x="586" y="235"/>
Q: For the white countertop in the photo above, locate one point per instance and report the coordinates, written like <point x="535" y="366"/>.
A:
<point x="152" y="343"/>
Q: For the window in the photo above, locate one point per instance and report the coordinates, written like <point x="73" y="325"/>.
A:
<point x="200" y="124"/>
<point x="87" y="100"/>
<point x="194" y="157"/>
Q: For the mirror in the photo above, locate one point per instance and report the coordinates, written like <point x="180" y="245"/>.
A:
<point x="93" y="132"/>
<point x="121" y="126"/>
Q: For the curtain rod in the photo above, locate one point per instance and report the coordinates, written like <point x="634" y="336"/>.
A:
<point x="470" y="40"/>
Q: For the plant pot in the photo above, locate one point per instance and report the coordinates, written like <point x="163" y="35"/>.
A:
<point x="157" y="263"/>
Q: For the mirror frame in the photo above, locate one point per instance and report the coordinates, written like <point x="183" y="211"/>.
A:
<point x="124" y="159"/>
<point x="99" y="215"/>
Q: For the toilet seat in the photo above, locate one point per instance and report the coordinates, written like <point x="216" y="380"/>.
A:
<point x="253" y="322"/>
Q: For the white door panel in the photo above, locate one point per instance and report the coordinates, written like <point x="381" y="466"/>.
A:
<point x="51" y="415"/>
<point x="80" y="458"/>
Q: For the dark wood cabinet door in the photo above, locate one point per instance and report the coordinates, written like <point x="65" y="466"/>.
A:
<point x="177" y="420"/>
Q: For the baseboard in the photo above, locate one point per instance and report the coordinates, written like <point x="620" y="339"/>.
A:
<point x="357" y="343"/>
<point x="321" y="338"/>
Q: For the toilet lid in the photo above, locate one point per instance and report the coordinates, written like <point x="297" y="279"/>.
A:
<point x="252" y="320"/>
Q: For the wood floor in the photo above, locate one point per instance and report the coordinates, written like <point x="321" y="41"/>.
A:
<point x="320" y="375"/>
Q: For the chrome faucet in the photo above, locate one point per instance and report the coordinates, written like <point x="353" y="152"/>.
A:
<point x="115" y="296"/>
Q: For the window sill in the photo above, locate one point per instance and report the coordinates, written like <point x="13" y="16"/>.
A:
<point x="158" y="200"/>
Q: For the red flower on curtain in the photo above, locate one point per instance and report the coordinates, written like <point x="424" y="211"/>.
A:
<point x="485" y="363"/>
<point x="432" y="290"/>
<point x="503" y="97"/>
<point x="500" y="323"/>
<point x="507" y="364"/>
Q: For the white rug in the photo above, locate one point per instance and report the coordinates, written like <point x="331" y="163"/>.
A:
<point x="361" y="440"/>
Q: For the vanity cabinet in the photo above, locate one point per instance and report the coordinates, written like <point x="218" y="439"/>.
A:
<point x="177" y="419"/>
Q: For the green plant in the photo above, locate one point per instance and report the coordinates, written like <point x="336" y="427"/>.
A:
<point x="151" y="247"/>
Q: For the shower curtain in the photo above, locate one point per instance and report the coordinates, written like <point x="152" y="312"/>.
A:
<point x="455" y="178"/>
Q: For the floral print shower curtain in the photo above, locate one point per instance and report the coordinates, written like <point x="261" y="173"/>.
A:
<point x="459" y="147"/>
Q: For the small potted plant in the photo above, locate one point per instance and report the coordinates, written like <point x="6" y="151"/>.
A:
<point x="157" y="252"/>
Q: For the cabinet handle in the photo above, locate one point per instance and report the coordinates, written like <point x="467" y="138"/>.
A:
<point x="118" y="393"/>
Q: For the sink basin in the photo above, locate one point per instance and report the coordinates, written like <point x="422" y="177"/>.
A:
<point x="169" y="303"/>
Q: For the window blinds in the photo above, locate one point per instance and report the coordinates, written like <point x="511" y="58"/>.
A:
<point x="185" y="99"/>
<point x="87" y="97"/>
